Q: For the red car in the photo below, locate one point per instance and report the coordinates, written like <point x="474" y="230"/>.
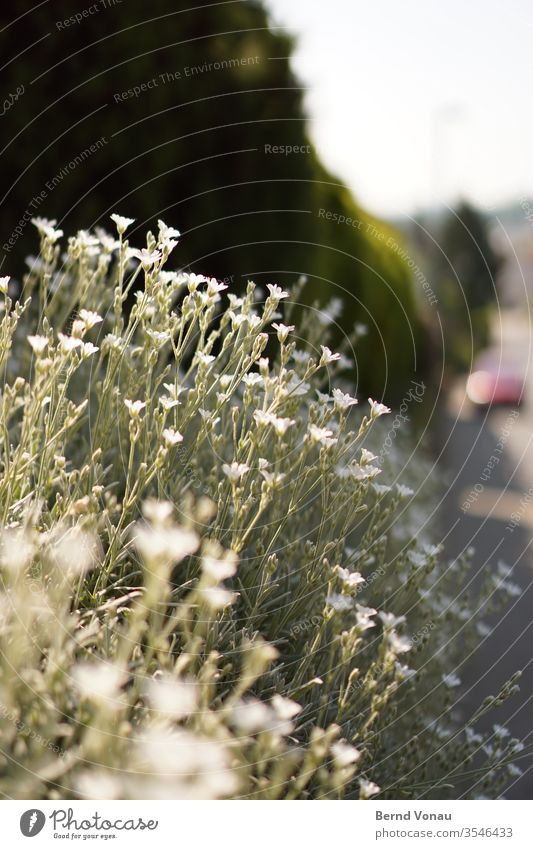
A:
<point x="493" y="382"/>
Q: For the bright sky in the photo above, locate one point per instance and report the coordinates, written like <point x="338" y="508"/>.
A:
<point x="415" y="101"/>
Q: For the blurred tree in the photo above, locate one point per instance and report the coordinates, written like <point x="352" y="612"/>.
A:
<point x="464" y="267"/>
<point x="192" y="115"/>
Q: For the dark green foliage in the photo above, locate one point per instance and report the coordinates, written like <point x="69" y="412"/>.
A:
<point x="190" y="148"/>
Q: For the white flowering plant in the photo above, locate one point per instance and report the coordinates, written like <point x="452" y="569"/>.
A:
<point x="201" y="595"/>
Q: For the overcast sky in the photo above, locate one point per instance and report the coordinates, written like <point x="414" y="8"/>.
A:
<point x="413" y="101"/>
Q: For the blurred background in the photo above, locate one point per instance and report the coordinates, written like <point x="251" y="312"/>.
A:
<point x="380" y="150"/>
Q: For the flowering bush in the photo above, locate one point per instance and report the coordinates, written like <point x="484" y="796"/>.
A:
<point x="201" y="596"/>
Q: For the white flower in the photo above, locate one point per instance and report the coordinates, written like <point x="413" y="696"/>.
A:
<point x="166" y="233"/>
<point x="364" y="617"/>
<point x="178" y="752"/>
<point x="377" y="409"/>
<point x="295" y="386"/>
<point x="344" y="754"/>
<point x="280" y="425"/>
<point x="68" y="344"/>
<point x="159" y="337"/>
<point x="98" y="681"/>
<point x="216" y="598"/>
<point x="276" y="292"/>
<point x="218" y="569"/>
<point x="98" y="784"/>
<point x="253" y="379"/>
<point x="158" y="512"/>
<point x="380" y="489"/>
<point x="38" y="343"/>
<point x="331" y="312"/>
<point x="252" y="716"/>
<point x="235" y="471"/>
<point x="403" y="672"/>
<point x="134" y="407"/>
<point x="285" y="708"/>
<point x="328" y="356"/>
<point x="90" y="318"/>
<point x="390" y="620"/>
<point x="367" y="456"/>
<point x="283" y="331"/>
<point x="340" y="602"/>
<point x="501" y="730"/>
<point x="215" y="286"/>
<point x="88" y="349"/>
<point x="16" y="550"/>
<point x="171" y="436"/>
<point x="368" y="788"/>
<point x="4" y="285"/>
<point x="164" y="545"/>
<point x="73" y="550"/>
<point x="204" y="359"/>
<point x="321" y="435"/>
<point x="121" y="222"/>
<point x="172" y="697"/>
<point x="323" y="398"/>
<point x="343" y="401"/>
<point x="350" y="579"/>
<point x="398" y="644"/>
<point x="357" y="472"/>
<point x="404" y="491"/>
<point x="273" y="479"/>
<point x="147" y="258"/>
<point x="451" y="680"/>
<point x="46" y="228"/>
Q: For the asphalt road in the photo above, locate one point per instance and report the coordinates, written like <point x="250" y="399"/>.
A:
<point x="498" y="523"/>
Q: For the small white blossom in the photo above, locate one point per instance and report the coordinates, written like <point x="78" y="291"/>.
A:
<point x="377" y="409"/>
<point x="90" y="318"/>
<point x="367" y="457"/>
<point x="367" y="789"/>
<point x="218" y="569"/>
<point x="166" y="233"/>
<point x="390" y="620"/>
<point x="216" y="598"/>
<point x="321" y="435"/>
<point x="165" y="545"/>
<point x="344" y="754"/>
<point x="276" y="293"/>
<point x="67" y="344"/>
<point x="100" y="681"/>
<point x="4" y="285"/>
<point x="328" y="356"/>
<point x="350" y="579"/>
<point x="204" y="359"/>
<point x="342" y="400"/>
<point x="147" y="258"/>
<point x="134" y="407"/>
<point x="46" y="227"/>
<point x="340" y="602"/>
<point x="364" y="617"/>
<point x="88" y="349"/>
<point x="283" y="331"/>
<point x="235" y="471"/>
<point x="398" y="644"/>
<point x="273" y="479"/>
<point x="121" y="222"/>
<point x="171" y="436"/>
<point x="173" y="698"/>
<point x="404" y="491"/>
<point x="38" y="343"/>
<point x="451" y="680"/>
